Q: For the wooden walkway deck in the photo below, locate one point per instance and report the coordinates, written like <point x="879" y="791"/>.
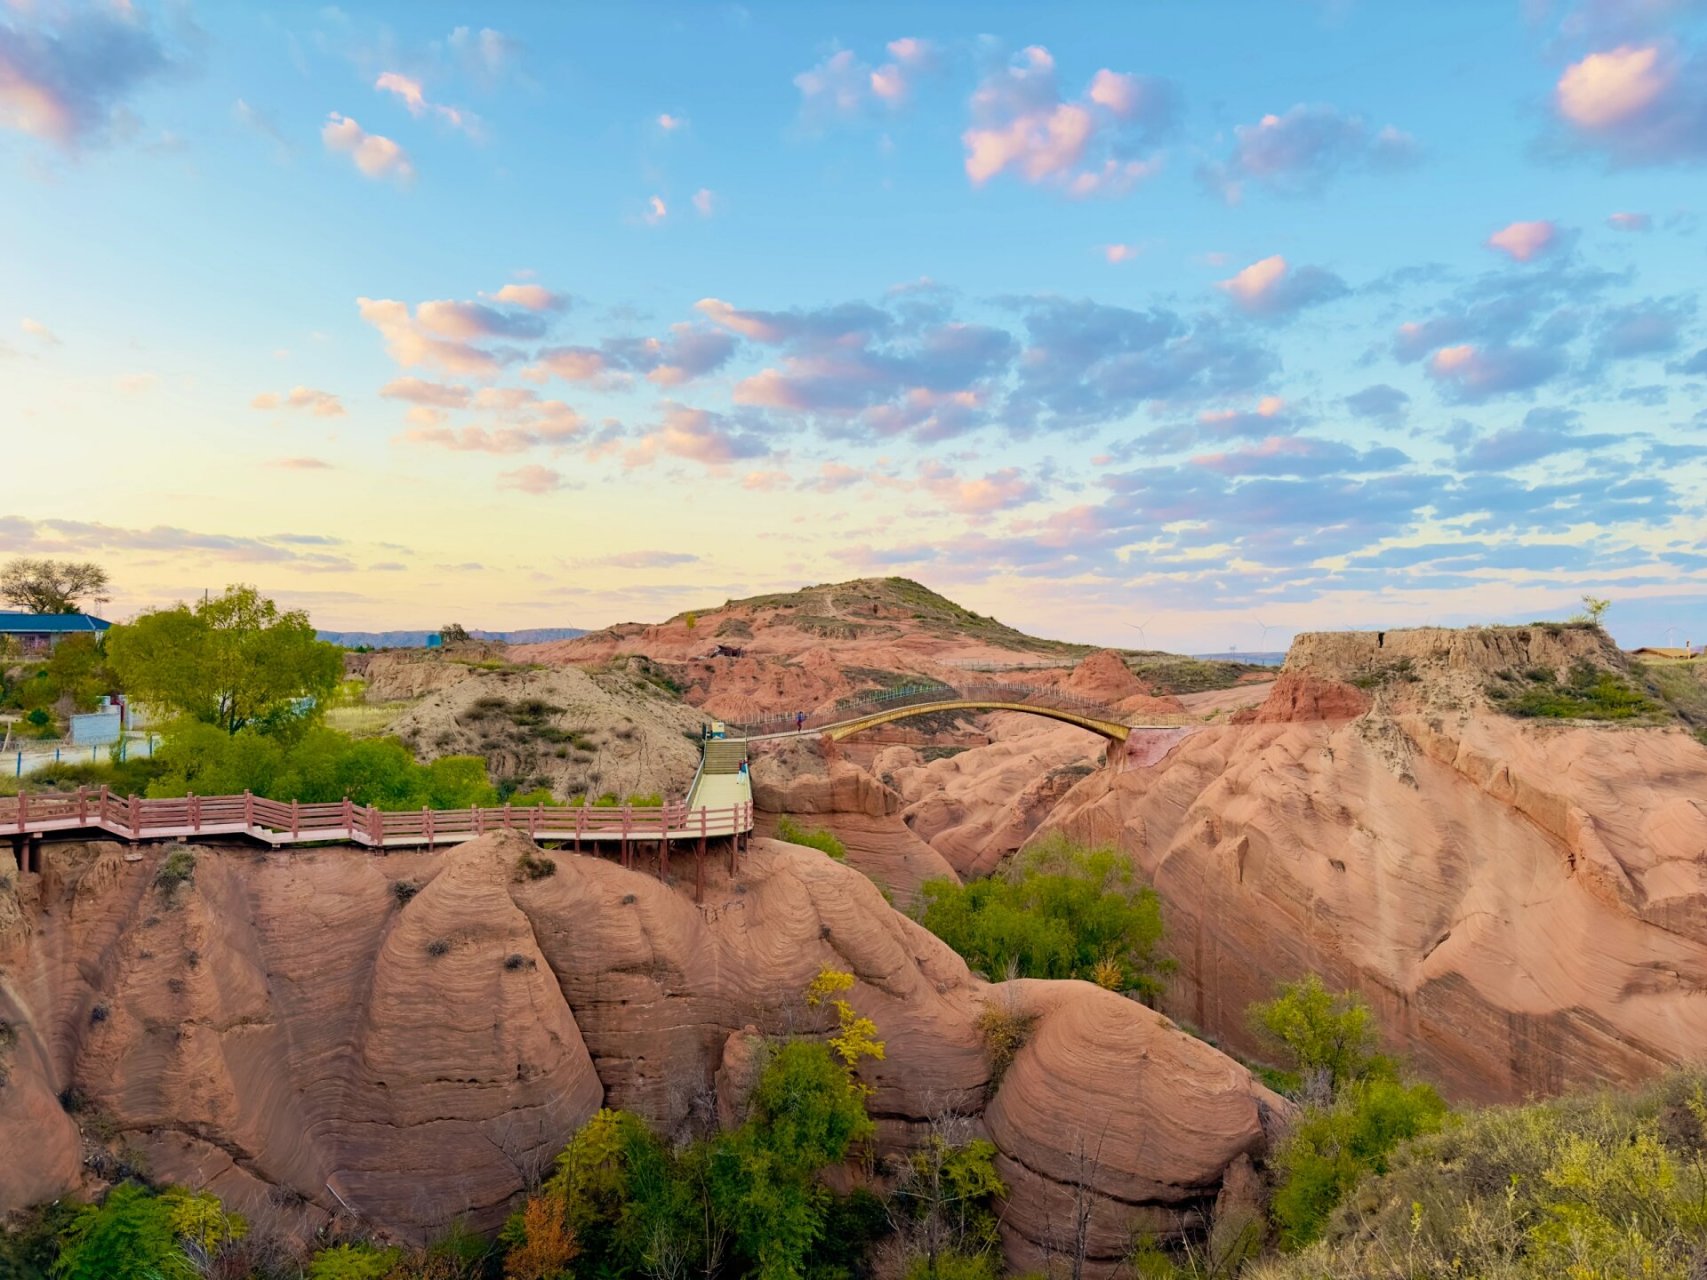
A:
<point x="27" y="818"/>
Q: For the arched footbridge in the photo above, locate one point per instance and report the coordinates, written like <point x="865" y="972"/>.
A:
<point x="853" y="715"/>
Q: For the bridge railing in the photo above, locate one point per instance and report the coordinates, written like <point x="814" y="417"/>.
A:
<point x="859" y="706"/>
<point x="344" y="820"/>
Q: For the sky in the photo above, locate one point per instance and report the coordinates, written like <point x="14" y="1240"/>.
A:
<point x="1163" y="325"/>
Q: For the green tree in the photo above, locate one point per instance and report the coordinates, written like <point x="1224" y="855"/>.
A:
<point x="1328" y="1038"/>
<point x="78" y="669"/>
<point x="129" y="1234"/>
<point x="805" y="1114"/>
<point x="52" y="586"/>
<point x="234" y="660"/>
<point x="354" y="1262"/>
<point x="1593" y="610"/>
<point x="1058" y="911"/>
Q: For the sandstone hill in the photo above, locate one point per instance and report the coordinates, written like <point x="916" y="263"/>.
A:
<point x="618" y="727"/>
<point x="1522" y="900"/>
<point x="410" y="1038"/>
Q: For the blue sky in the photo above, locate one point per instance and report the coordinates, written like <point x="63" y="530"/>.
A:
<point x="1221" y="320"/>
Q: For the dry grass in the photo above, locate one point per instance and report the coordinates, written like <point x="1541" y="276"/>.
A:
<point x="364" y="719"/>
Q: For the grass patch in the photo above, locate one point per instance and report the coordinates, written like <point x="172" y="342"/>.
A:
<point x="1588" y="693"/>
<point x="1171" y="673"/>
<point x="814" y="838"/>
<point x="1004" y="1031"/>
<point x="179" y="868"/>
<point x="531" y="866"/>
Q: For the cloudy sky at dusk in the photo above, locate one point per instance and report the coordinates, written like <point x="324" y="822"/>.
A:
<point x="1226" y="320"/>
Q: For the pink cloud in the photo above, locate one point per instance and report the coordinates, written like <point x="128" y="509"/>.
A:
<point x="322" y="404"/>
<point x="656" y="211"/>
<point x="374" y="154"/>
<point x="1630" y="222"/>
<point x="533" y="479"/>
<point x="1608" y="89"/>
<point x="977" y="495"/>
<point x="420" y="392"/>
<point x="764" y="481"/>
<point x="756" y="325"/>
<point x="1119" y="252"/>
<point x="472" y="439"/>
<point x="535" y="297"/>
<point x="1272" y="288"/>
<point x="412" y="348"/>
<point x="573" y="364"/>
<point x="705" y="202"/>
<point x="301" y="464"/>
<point x="669" y="123"/>
<point x="415" y="99"/>
<point x="1522" y="241"/>
<point x="697" y="435"/>
<point x="842" y="86"/>
<point x="1021" y="124"/>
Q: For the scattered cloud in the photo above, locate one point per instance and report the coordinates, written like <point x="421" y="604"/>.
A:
<point x="40" y="332"/>
<point x="842" y="87"/>
<point x="67" y="71"/>
<point x="375" y="155"/>
<point x="1299" y="152"/>
<point x="535" y="297"/>
<point x="434" y="394"/>
<point x="533" y="479"/>
<point x="322" y="404"/>
<point x="413" y="344"/>
<point x="698" y="435"/>
<point x="1469" y="374"/>
<point x="1647" y="328"/>
<point x="301" y="464"/>
<point x="978" y="495"/>
<point x="656" y="211"/>
<point x="669" y="123"/>
<point x="1116" y="253"/>
<point x="1630" y="222"/>
<point x="1638" y="104"/>
<point x="60" y="537"/>
<point x="487" y="54"/>
<point x="1522" y="241"/>
<point x="1379" y="403"/>
<point x="1271" y="289"/>
<point x="414" y="97"/>
<point x="1085" y="147"/>
<point x="705" y="202"/>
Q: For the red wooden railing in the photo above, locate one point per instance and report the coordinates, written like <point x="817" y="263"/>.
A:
<point x="276" y="822"/>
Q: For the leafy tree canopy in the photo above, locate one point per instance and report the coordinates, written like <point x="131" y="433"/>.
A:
<point x="52" y="586"/>
<point x="1058" y="911"/>
<point x="1328" y="1037"/>
<point x="234" y="660"/>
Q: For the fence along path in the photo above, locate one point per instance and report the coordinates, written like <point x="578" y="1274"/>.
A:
<point x="279" y="823"/>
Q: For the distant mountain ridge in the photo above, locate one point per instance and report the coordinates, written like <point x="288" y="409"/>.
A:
<point x="418" y="639"/>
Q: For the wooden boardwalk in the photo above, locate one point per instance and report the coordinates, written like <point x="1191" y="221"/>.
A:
<point x="720" y="806"/>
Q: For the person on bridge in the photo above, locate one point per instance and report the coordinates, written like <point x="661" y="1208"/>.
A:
<point x="799" y="721"/>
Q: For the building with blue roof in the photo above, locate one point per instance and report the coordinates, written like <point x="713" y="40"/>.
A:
<point x="35" y="633"/>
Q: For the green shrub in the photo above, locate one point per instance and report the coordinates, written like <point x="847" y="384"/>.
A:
<point x="1327" y="1038"/>
<point x="178" y="868"/>
<point x="129" y="1234"/>
<point x="353" y="1262"/>
<point x="1600" y="1185"/>
<point x="1590" y="693"/>
<point x="818" y="838"/>
<point x="1004" y="1031"/>
<point x="316" y="766"/>
<point x="1333" y="1148"/>
<point x="1058" y="911"/>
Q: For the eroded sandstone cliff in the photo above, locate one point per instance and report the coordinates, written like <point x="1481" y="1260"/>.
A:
<point x="410" y="1038"/>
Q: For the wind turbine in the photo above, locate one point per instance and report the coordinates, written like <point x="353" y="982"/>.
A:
<point x="1139" y="628"/>
<point x="1265" y="630"/>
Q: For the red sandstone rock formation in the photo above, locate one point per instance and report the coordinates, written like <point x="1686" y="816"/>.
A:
<point x="1524" y="903"/>
<point x="290" y="1022"/>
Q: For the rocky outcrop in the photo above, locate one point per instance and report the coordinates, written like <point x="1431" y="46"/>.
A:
<point x="1525" y="905"/>
<point x="410" y="1038"/>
